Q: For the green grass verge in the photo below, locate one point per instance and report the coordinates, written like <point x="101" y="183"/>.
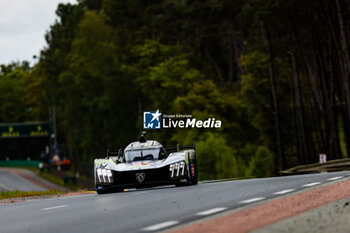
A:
<point x="17" y="194"/>
<point x="52" y="178"/>
<point x="56" y="180"/>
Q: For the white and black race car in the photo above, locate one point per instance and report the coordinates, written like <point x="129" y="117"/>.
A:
<point x="145" y="163"/>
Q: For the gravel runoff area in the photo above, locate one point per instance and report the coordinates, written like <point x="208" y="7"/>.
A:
<point x="333" y="217"/>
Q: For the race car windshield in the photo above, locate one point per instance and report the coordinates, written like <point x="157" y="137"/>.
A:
<point x="140" y="155"/>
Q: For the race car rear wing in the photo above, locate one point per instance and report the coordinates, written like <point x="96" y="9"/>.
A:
<point x="178" y="148"/>
<point x="114" y="153"/>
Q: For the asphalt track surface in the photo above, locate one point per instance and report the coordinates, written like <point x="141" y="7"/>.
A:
<point x="10" y="181"/>
<point x="153" y="209"/>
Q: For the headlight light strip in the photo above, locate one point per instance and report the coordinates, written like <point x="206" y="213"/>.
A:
<point x="177" y="169"/>
<point x="104" y="175"/>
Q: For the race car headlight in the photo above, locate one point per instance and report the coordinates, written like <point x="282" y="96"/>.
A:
<point x="99" y="171"/>
<point x="177" y="169"/>
<point x="104" y="175"/>
<point x="109" y="173"/>
<point x="182" y="168"/>
<point x="171" y="169"/>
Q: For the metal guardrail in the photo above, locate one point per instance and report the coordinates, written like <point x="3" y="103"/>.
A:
<point x="330" y="166"/>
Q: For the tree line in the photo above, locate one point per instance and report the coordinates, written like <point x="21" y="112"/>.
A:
<point x="275" y="72"/>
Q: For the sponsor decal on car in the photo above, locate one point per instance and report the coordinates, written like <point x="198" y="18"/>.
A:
<point x="102" y="163"/>
<point x="136" y="165"/>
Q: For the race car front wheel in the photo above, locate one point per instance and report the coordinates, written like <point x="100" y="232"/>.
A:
<point x="194" y="175"/>
<point x="193" y="168"/>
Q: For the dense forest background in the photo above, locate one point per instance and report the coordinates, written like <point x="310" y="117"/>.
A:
<point x="275" y="72"/>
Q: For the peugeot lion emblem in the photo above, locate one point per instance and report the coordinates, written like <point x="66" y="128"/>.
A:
<point x="140" y="177"/>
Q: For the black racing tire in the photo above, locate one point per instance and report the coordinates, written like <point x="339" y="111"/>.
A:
<point x="182" y="184"/>
<point x="194" y="181"/>
<point x="193" y="178"/>
<point x="102" y="191"/>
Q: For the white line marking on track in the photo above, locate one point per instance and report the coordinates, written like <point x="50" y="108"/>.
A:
<point x="284" y="191"/>
<point x="54" y="207"/>
<point x="211" y="211"/>
<point x="311" y="184"/>
<point x="335" y="178"/>
<point x="159" y="226"/>
<point x="252" y="200"/>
